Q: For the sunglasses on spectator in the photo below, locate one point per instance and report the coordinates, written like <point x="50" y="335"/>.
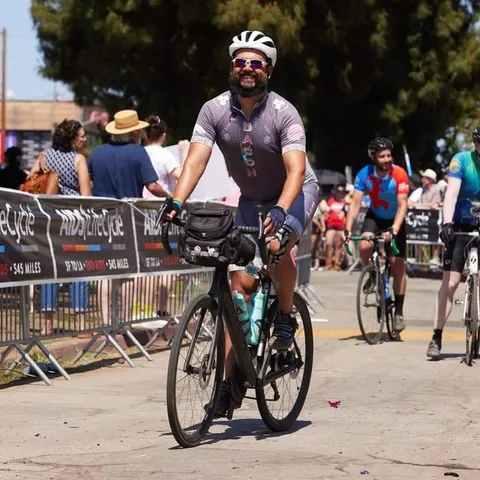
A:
<point x="243" y="62"/>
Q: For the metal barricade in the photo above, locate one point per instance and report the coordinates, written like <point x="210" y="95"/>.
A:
<point x="424" y="258"/>
<point x="29" y="315"/>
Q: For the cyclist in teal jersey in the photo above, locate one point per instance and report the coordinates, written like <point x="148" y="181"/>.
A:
<point x="462" y="199"/>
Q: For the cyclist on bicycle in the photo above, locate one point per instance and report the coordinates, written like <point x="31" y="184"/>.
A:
<point x="387" y="186"/>
<point x="459" y="215"/>
<point x="262" y="138"/>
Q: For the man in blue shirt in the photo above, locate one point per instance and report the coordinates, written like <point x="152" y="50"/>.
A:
<point x="122" y="167"/>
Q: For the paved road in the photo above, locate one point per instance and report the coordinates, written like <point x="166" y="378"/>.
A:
<point x="400" y="417"/>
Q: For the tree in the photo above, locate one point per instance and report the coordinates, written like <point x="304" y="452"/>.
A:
<point x="353" y="68"/>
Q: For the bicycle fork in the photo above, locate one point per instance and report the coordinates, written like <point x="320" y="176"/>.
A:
<point x="209" y="367"/>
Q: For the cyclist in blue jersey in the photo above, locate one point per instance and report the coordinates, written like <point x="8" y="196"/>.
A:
<point x="387" y="186"/>
<point x="460" y="214"/>
<point x="262" y="138"/>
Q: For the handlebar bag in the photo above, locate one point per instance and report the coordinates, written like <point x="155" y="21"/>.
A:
<point x="203" y="240"/>
<point x="209" y="239"/>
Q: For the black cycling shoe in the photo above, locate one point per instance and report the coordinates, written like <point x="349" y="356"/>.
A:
<point x="284" y="328"/>
<point x="230" y="398"/>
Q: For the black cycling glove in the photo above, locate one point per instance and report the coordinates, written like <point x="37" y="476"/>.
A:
<point x="277" y="215"/>
<point x="169" y="206"/>
<point x="447" y="233"/>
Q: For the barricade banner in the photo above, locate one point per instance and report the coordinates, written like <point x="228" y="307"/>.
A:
<point x="422" y="225"/>
<point x="61" y="238"/>
<point x="25" y="253"/>
<point x="90" y="236"/>
<point x="151" y="255"/>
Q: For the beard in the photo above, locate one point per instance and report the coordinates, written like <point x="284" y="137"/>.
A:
<point x="236" y="85"/>
<point x="385" y="167"/>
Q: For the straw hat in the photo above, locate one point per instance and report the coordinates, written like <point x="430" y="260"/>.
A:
<point x="125" y="121"/>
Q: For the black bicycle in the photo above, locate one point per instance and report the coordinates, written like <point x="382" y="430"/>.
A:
<point x="374" y="292"/>
<point x="280" y="378"/>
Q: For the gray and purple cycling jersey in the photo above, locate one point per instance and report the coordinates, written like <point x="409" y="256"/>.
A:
<point x="253" y="148"/>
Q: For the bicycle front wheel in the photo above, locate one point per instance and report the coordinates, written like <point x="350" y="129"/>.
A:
<point x="370" y="304"/>
<point x="195" y="371"/>
<point x="281" y="401"/>
<point x="471" y="319"/>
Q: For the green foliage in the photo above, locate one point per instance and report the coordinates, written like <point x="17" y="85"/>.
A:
<point x="353" y="68"/>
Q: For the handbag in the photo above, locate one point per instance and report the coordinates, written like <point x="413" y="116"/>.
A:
<point x="43" y="182"/>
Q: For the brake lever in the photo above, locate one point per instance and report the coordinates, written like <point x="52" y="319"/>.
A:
<point x="160" y="213"/>
<point x="262" y="245"/>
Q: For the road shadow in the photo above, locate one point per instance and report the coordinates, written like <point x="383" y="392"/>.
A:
<point x="447" y="356"/>
<point x="245" y="428"/>
<point x="384" y="339"/>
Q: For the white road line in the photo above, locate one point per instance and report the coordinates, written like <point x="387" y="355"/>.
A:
<point x="320" y="320"/>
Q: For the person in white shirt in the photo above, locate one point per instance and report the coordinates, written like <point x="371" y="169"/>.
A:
<point x="152" y="295"/>
<point x="164" y="162"/>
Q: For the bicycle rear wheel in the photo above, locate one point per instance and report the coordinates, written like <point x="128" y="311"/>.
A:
<point x="370" y="304"/>
<point x="276" y="401"/>
<point x="471" y="319"/>
<point x="194" y="350"/>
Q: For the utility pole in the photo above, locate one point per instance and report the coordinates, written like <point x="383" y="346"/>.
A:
<point x="54" y="106"/>
<point x="3" y="134"/>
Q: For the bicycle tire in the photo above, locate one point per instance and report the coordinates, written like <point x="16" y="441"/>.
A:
<point x="477" y="349"/>
<point x="394" y="335"/>
<point x="183" y="438"/>
<point x="369" y="270"/>
<point x="280" y="425"/>
<point x="471" y="328"/>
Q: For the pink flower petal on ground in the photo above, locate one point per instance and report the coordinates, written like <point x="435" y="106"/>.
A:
<point x="335" y="404"/>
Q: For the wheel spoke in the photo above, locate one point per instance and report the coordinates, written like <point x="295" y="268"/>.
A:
<point x="293" y="387"/>
<point x="370" y="304"/>
<point x="188" y="392"/>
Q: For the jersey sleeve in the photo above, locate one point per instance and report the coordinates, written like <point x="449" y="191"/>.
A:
<point x="401" y="179"/>
<point x="292" y="131"/>
<point x="455" y="169"/>
<point x="361" y="179"/>
<point x="204" y="129"/>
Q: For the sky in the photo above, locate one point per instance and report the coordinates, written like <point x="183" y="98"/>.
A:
<point x="23" y="58"/>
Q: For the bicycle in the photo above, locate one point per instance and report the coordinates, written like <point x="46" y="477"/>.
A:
<point x="377" y="283"/>
<point x="258" y="367"/>
<point x="471" y="303"/>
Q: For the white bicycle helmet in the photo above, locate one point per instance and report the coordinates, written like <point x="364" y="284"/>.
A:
<point x="254" y="40"/>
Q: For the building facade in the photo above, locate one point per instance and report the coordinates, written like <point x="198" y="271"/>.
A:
<point x="29" y="124"/>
